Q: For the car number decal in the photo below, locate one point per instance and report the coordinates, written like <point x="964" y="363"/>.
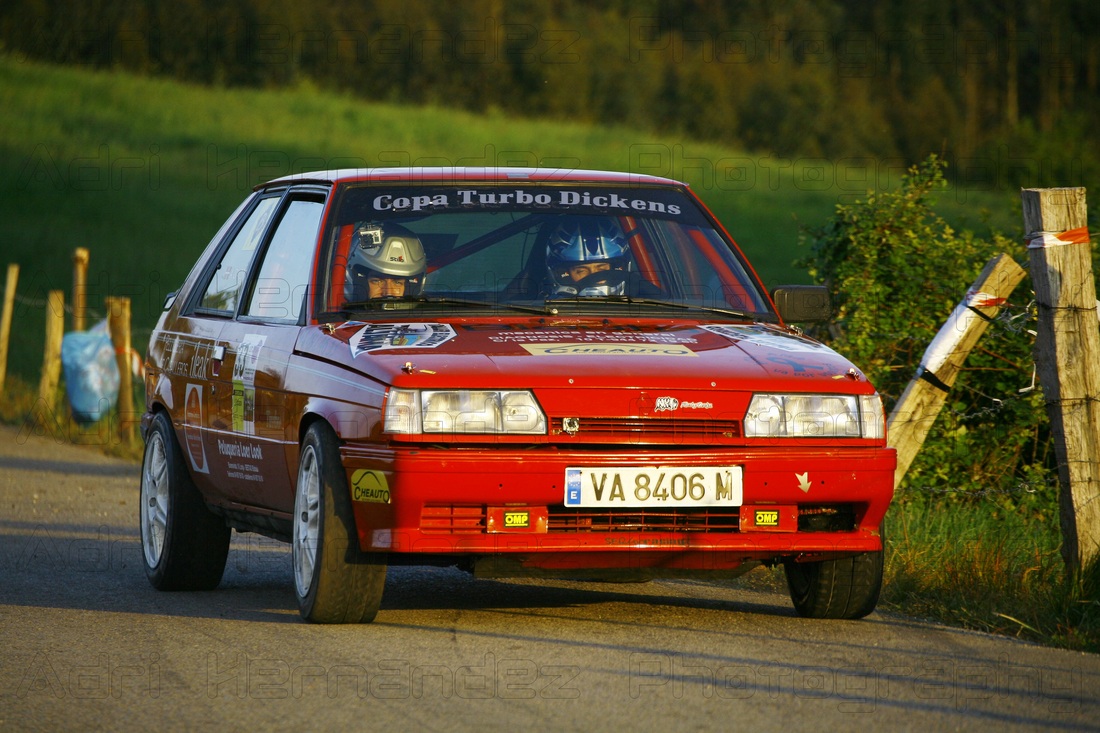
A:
<point x="653" y="486"/>
<point x="244" y="383"/>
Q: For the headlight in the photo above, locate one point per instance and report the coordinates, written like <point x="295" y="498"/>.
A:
<point x="815" y="416"/>
<point x="461" y="411"/>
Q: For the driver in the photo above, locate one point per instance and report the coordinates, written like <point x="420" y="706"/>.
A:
<point x="587" y="257"/>
<point x="386" y="261"/>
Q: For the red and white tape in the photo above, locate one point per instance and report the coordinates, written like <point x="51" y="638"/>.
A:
<point x="1042" y="240"/>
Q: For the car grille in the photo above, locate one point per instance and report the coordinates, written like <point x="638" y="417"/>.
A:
<point x="452" y="520"/>
<point x="627" y="428"/>
<point x="715" y="519"/>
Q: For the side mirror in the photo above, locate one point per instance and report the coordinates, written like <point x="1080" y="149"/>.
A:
<point x="803" y="303"/>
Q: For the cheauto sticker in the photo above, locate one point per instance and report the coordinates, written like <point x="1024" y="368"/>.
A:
<point x="602" y="349"/>
<point x="383" y="336"/>
<point x="370" y="486"/>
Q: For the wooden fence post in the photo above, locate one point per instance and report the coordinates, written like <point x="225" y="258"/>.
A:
<point x="80" y="287"/>
<point x="1067" y="357"/>
<point x="5" y="320"/>
<point x="118" y="319"/>
<point x="918" y="406"/>
<point x="51" y="358"/>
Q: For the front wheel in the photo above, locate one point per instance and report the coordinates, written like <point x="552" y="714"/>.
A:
<point x="184" y="545"/>
<point x="336" y="583"/>
<point x="845" y="588"/>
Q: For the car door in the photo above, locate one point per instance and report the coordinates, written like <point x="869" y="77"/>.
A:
<point x="211" y="306"/>
<point x="255" y="420"/>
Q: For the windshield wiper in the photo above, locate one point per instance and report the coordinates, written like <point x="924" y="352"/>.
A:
<point x="404" y="303"/>
<point x="627" y="300"/>
<point x="509" y="305"/>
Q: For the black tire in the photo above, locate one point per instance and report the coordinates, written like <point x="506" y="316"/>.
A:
<point x="184" y="545"/>
<point x="335" y="582"/>
<point x="846" y="588"/>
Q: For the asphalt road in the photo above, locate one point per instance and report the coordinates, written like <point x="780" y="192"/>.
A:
<point x="87" y="644"/>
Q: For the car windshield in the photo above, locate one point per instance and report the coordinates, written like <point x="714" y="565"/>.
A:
<point x="544" y="247"/>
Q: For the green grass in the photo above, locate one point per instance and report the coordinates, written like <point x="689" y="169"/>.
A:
<point x="143" y="172"/>
<point x="988" y="569"/>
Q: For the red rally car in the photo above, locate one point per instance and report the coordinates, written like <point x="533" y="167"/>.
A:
<point x="518" y="372"/>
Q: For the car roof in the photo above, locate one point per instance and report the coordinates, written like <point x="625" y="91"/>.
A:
<point x="440" y="175"/>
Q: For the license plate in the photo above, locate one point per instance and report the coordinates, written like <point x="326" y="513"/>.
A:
<point x="653" y="486"/>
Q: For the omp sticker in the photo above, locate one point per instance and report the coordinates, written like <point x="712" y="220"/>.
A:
<point x="766" y="518"/>
<point x="192" y="425"/>
<point x="244" y="383"/>
<point x="383" y="336"/>
<point x="765" y="337"/>
<point x="370" y="486"/>
<point x="517" y="519"/>
<point x="598" y="349"/>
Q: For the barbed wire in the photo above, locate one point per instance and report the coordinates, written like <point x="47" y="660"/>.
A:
<point x="1009" y="318"/>
<point x="136" y="334"/>
<point x="43" y="304"/>
<point x="1021" y="487"/>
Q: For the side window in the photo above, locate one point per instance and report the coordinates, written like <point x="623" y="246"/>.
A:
<point x="224" y="288"/>
<point x="288" y="263"/>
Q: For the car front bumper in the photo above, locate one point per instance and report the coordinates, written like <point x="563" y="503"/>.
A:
<point x="802" y="503"/>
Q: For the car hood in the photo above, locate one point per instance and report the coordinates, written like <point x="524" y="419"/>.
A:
<point x="583" y="353"/>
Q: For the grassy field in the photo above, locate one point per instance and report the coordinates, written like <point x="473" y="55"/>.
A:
<point x="143" y="171"/>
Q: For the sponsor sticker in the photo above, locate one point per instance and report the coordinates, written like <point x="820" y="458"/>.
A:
<point x="385" y="336"/>
<point x="244" y="383"/>
<point x="602" y="200"/>
<point x="769" y="518"/>
<point x="527" y="519"/>
<point x="516" y="520"/>
<point x="615" y="335"/>
<point x="766" y="518"/>
<point x="671" y="404"/>
<point x="760" y="336"/>
<point x="370" y="486"/>
<point x="192" y="425"/>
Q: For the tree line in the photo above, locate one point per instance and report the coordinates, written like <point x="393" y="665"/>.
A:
<point x="1008" y="89"/>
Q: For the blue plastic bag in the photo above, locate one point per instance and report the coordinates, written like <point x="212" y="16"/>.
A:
<point x="91" y="372"/>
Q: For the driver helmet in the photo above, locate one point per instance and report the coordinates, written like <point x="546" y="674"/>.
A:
<point x="587" y="257"/>
<point x="384" y="251"/>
